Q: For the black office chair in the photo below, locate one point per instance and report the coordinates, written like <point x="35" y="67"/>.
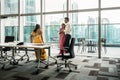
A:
<point x="5" y="49"/>
<point x="69" y="55"/>
<point x="67" y="40"/>
<point x="66" y="43"/>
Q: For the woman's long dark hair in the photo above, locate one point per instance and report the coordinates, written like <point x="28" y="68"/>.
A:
<point x="36" y="27"/>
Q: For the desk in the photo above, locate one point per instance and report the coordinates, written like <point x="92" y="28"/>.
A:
<point x="27" y="45"/>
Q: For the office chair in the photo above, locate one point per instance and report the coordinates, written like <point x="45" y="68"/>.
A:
<point x="81" y="43"/>
<point x="25" y="53"/>
<point x="67" y="40"/>
<point x="69" y="55"/>
<point x="5" y="49"/>
<point x="103" y="41"/>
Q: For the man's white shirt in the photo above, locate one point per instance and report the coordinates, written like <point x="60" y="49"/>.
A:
<point x="67" y="28"/>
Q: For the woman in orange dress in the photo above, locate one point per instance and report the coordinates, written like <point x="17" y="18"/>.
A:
<point x="36" y="37"/>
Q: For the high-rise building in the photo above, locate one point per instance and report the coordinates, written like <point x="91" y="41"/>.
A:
<point x="91" y="28"/>
<point x="9" y="6"/>
<point x="74" y="20"/>
<point x="74" y="16"/>
<point x="107" y="30"/>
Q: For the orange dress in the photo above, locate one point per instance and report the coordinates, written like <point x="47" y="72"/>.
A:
<point x="38" y="39"/>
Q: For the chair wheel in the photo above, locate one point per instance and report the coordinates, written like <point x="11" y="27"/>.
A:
<point x="57" y="70"/>
<point x="15" y="63"/>
<point x="56" y="62"/>
<point x="70" y="70"/>
<point x="2" y="67"/>
<point x="37" y="72"/>
<point x="27" y="59"/>
<point x="22" y="59"/>
<point x="75" y="67"/>
<point x="46" y="66"/>
<point x="4" y="59"/>
<point x="11" y="62"/>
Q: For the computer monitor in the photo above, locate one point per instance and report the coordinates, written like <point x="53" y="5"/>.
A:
<point x="9" y="38"/>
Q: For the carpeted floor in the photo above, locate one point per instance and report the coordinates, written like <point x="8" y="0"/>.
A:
<point x="89" y="68"/>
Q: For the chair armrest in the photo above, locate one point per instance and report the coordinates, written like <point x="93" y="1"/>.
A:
<point x="62" y="55"/>
<point x="65" y="48"/>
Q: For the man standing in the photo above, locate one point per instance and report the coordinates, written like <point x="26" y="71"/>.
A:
<point x="67" y="32"/>
<point x="67" y="25"/>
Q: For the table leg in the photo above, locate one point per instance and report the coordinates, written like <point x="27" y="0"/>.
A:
<point x="38" y="52"/>
<point x="1" y="52"/>
<point x="26" y="52"/>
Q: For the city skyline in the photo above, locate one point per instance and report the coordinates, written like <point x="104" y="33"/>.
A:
<point x="84" y="24"/>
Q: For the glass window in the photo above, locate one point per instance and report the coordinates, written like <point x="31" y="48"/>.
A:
<point x="30" y="6"/>
<point x="9" y="6"/>
<point x="110" y="33"/>
<point x="54" y="5"/>
<point x="9" y="27"/>
<point x="110" y="3"/>
<point x="83" y="4"/>
<point x="52" y="25"/>
<point x="110" y="16"/>
<point x="27" y="25"/>
<point x="84" y="17"/>
<point x="84" y="25"/>
<point x="111" y="26"/>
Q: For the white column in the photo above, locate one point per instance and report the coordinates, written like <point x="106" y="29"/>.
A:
<point x="2" y="32"/>
<point x="42" y="25"/>
<point x="0" y="22"/>
<point x="21" y="19"/>
<point x="67" y="8"/>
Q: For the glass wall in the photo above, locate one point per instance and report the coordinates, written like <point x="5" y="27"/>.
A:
<point x="52" y="24"/>
<point x="9" y="6"/>
<point x="84" y="24"/>
<point x="26" y="20"/>
<point x="19" y="17"/>
<point x="110" y="3"/>
<point x="9" y="28"/>
<point x="53" y="21"/>
<point x="83" y="16"/>
<point x="54" y="5"/>
<point x="83" y="4"/>
<point x="27" y="26"/>
<point x="111" y="26"/>
<point x="30" y="6"/>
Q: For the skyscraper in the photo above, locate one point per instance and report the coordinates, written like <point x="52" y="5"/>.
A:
<point x="74" y="16"/>
<point x="9" y="6"/>
<point x="74" y="20"/>
<point x="107" y="30"/>
<point x="91" y="28"/>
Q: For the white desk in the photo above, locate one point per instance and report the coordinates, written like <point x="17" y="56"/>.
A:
<point x="27" y="45"/>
